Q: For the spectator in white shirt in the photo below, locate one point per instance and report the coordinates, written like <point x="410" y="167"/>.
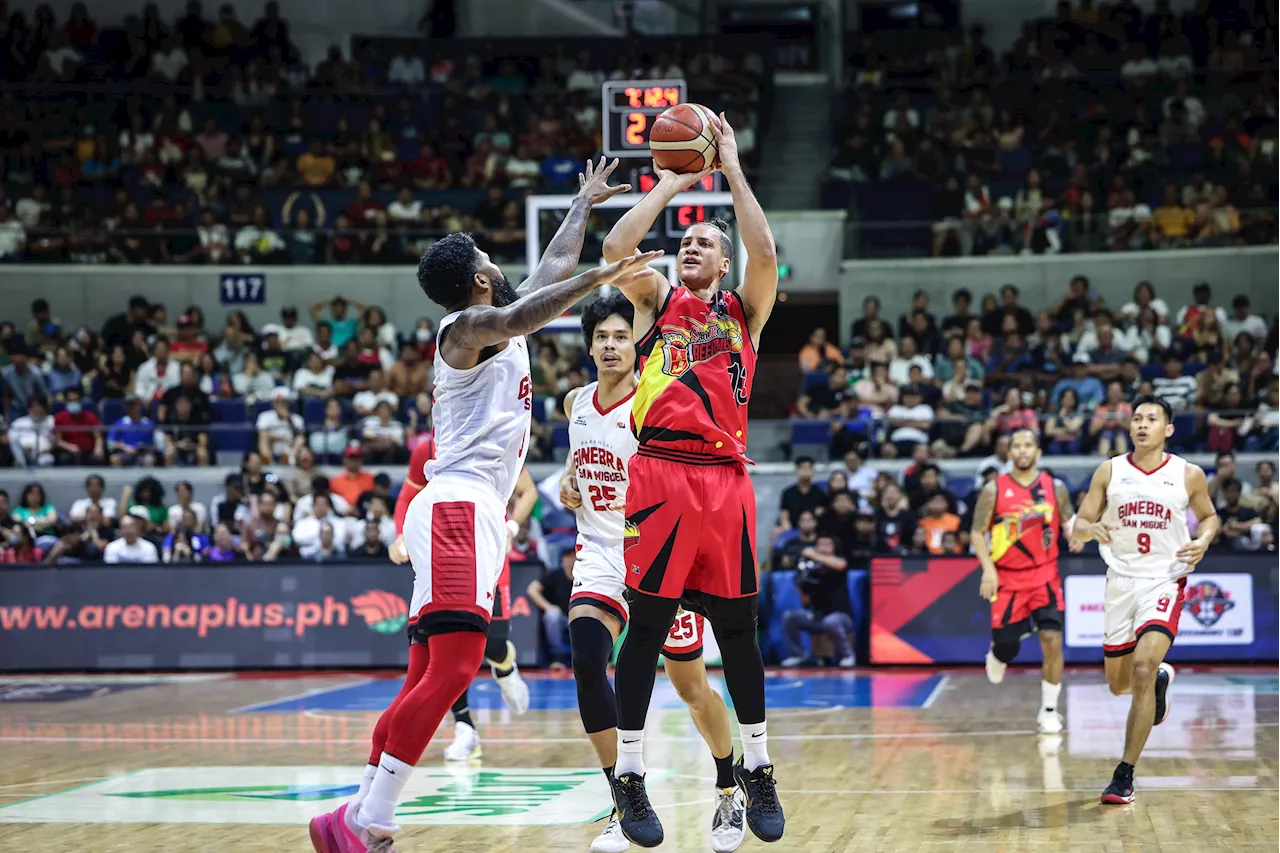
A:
<point x="861" y="477"/>
<point x="13" y="237"/>
<point x="909" y="421"/>
<point x="94" y="486"/>
<point x="315" y="379"/>
<point x="1242" y="320"/>
<point x="64" y="60"/>
<point x="215" y="240"/>
<point x="320" y="486"/>
<point x="1195" y="113"/>
<point x="258" y="241"/>
<point x="1139" y="69"/>
<point x="405" y="208"/>
<point x="900" y="366"/>
<point x="382" y="438"/>
<point x="130" y="547"/>
<point x="185" y="504"/>
<point x="522" y="169"/>
<point x="901" y="108"/>
<point x="293" y="337"/>
<point x="31" y="436"/>
<point x="406" y="68"/>
<point x="306" y="530"/>
<point x="157" y="374"/>
<point x="583" y="78"/>
<point x="1175" y="389"/>
<point x="366" y="402"/>
<point x="281" y="433"/>
<point x="170" y="60"/>
<point x="29" y="209"/>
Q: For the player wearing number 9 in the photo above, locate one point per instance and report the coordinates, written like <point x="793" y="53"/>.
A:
<point x="594" y="486"/>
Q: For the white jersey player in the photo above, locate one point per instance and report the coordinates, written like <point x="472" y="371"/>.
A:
<point x="1136" y="510"/>
<point x="455" y="530"/>
<point x="594" y="485"/>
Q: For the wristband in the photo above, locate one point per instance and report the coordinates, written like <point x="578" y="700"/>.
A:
<point x="1071" y="525"/>
<point x="513" y="528"/>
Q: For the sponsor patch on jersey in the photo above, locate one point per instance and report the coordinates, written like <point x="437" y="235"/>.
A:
<point x="579" y="421"/>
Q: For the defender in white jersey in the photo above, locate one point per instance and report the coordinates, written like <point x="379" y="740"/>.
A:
<point x="1136" y="510"/>
<point x="594" y="486"/>
<point x="455" y="530"/>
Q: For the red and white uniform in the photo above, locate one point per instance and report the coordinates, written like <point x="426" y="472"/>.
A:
<point x="601" y="445"/>
<point x="1145" y="578"/>
<point x="456" y="531"/>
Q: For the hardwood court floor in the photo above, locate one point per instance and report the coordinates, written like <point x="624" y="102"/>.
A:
<point x="880" y="763"/>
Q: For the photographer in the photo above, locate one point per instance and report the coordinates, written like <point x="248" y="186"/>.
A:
<point x="824" y="594"/>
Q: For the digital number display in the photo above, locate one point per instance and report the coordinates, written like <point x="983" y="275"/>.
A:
<point x="628" y="108"/>
<point x="679" y="219"/>
<point x="643" y="180"/>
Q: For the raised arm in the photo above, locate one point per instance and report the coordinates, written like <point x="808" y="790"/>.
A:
<point x="759" y="288"/>
<point x="483" y="326"/>
<point x="982" y="513"/>
<point x="565" y="249"/>
<point x="1088" y="526"/>
<point x="1201" y="504"/>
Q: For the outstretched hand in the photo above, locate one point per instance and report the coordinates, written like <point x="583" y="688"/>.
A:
<point x="619" y="272"/>
<point x="593" y="183"/>
<point x="726" y="146"/>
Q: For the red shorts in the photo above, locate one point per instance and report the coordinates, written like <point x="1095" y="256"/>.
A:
<point x="502" y="593"/>
<point x="684" y="641"/>
<point x="690" y="528"/>
<point x="1029" y="595"/>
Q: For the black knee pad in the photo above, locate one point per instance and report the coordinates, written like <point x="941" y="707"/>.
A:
<point x="1006" y="641"/>
<point x="495" y="648"/>
<point x="592" y="645"/>
<point x="650" y="616"/>
<point x="728" y="616"/>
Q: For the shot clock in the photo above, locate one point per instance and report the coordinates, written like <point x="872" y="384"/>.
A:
<point x="628" y="108"/>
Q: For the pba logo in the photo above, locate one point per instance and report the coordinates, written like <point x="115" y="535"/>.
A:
<point x="1207" y="602"/>
<point x="385" y="612"/>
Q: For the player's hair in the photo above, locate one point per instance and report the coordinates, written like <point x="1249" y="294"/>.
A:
<point x="1151" y="399"/>
<point x="721" y="226"/>
<point x="447" y="269"/>
<point x="601" y="308"/>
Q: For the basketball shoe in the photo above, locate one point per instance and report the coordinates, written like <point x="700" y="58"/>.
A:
<point x="728" y="824"/>
<point x="1164" y="679"/>
<point x="995" y="668"/>
<point x="465" y="745"/>
<point x="636" y="817"/>
<point x="515" y="691"/>
<point x="1120" y="791"/>
<point x="764" y="811"/>
<point x="337" y="832"/>
<point x="611" y="840"/>
<point x="1049" y="722"/>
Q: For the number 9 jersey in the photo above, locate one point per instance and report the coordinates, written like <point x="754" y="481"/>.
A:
<point x="601" y="445"/>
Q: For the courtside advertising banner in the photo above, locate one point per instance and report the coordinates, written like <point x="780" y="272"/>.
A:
<point x="929" y="611"/>
<point x="119" y="618"/>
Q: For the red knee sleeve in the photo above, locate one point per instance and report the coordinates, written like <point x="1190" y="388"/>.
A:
<point x="418" y="657"/>
<point x="454" y="659"/>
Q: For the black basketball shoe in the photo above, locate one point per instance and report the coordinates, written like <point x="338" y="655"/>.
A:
<point x="1164" y="678"/>
<point x="635" y="815"/>
<point x="1120" y="791"/>
<point x="764" y="812"/>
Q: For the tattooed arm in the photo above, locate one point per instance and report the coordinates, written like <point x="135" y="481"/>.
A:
<point x="978" y="540"/>
<point x="482" y="326"/>
<point x="563" y="252"/>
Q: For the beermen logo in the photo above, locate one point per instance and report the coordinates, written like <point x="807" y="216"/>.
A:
<point x="682" y="348"/>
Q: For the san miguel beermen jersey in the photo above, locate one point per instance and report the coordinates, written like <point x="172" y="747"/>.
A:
<point x="601" y="444"/>
<point x="1024" y="527"/>
<point x="697" y="366"/>
<point x="1148" y="511"/>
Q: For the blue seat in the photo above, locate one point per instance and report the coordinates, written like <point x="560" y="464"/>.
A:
<point x="784" y="538"/>
<point x="560" y="435"/>
<point x="1184" y="430"/>
<point x="810" y="432"/>
<point x="1151" y="372"/>
<point x="783" y="596"/>
<point x="258" y="408"/>
<point x="1193" y="368"/>
<point x="814" y="379"/>
<point x="234" y="439"/>
<point x="112" y="410"/>
<point x="313" y="410"/>
<point x="229" y="411"/>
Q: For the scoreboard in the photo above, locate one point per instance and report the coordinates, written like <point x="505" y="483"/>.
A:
<point x="628" y="108"/>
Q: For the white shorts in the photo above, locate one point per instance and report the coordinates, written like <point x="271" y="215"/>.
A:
<point x="684" y="642"/>
<point x="599" y="577"/>
<point x="1137" y="605"/>
<point x="456" y="533"/>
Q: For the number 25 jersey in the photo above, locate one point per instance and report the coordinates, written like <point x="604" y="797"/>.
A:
<point x="697" y="366"/>
<point x="601" y="445"/>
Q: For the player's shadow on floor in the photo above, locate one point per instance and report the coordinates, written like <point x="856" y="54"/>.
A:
<point x="1040" y="817"/>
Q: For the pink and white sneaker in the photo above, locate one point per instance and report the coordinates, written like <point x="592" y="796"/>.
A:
<point x="322" y="833"/>
<point x="350" y="838"/>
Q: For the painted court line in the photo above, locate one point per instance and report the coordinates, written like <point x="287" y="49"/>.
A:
<point x="936" y="692"/>
<point x="304" y="695"/>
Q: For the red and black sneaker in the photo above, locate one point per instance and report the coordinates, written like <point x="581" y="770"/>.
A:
<point x="1120" y="791"/>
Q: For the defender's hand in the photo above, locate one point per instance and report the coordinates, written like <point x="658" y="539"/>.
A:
<point x="593" y="182"/>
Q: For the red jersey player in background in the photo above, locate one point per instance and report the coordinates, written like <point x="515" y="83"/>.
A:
<point x="690" y="505"/>
<point x="1022" y="513"/>
<point x="499" y="651"/>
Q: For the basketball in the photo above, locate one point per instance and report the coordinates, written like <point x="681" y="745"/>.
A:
<point x="681" y="140"/>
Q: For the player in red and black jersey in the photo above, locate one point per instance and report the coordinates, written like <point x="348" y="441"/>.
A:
<point x="499" y="651"/>
<point x="1016" y="526"/>
<point x="691" y="512"/>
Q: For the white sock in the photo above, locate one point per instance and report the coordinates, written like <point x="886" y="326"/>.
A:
<point x="630" y="753"/>
<point x="379" y="807"/>
<point x="366" y="782"/>
<point x="1049" y="695"/>
<point x="755" y="745"/>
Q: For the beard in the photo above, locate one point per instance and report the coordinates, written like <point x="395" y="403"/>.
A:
<point x="503" y="293"/>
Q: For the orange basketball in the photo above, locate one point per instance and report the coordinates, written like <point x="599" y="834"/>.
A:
<point x="681" y="139"/>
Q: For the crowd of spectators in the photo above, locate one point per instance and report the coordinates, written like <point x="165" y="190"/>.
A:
<point x="211" y="141"/>
<point x="1069" y="372"/>
<point x="1106" y="126"/>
